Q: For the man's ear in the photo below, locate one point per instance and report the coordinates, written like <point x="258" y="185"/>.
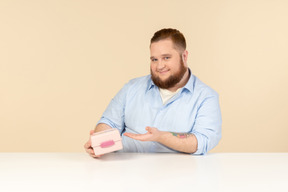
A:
<point x="185" y="57"/>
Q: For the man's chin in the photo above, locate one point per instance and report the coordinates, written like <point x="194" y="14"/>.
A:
<point x="161" y="84"/>
<point x="163" y="77"/>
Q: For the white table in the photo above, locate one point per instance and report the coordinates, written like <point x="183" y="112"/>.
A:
<point x="143" y="172"/>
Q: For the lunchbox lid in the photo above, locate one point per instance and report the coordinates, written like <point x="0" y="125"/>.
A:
<point x="105" y="138"/>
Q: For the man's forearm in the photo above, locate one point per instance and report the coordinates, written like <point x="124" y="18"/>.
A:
<point x="101" y="127"/>
<point x="183" y="142"/>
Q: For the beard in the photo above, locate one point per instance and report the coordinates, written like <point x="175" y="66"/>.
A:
<point x="172" y="80"/>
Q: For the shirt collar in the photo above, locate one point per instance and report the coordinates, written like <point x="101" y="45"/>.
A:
<point x="189" y="85"/>
<point x="150" y="84"/>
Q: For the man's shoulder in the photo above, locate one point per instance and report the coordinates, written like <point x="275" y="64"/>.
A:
<point x="144" y="80"/>
<point x="137" y="84"/>
<point x="202" y="88"/>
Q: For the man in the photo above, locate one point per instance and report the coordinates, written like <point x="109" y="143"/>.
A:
<point x="170" y="110"/>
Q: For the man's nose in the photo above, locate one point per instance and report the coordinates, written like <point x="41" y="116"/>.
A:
<point x="160" y="65"/>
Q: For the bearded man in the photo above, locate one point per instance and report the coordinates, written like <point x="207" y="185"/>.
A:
<point x="170" y="110"/>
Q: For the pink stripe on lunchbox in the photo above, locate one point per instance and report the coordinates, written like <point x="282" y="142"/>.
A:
<point x="107" y="144"/>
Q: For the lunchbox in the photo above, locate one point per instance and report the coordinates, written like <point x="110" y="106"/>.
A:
<point x="106" y="141"/>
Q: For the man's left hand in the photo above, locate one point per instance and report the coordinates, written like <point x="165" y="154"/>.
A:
<point x="153" y="134"/>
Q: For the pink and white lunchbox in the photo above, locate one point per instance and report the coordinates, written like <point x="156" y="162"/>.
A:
<point x="106" y="141"/>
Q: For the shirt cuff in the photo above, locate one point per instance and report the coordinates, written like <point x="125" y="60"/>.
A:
<point x="107" y="122"/>
<point x="201" y="141"/>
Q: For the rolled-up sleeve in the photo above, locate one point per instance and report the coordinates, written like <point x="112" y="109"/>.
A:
<point x="114" y="113"/>
<point x="207" y="127"/>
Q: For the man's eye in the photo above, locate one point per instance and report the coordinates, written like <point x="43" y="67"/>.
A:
<point x="153" y="60"/>
<point x="166" y="58"/>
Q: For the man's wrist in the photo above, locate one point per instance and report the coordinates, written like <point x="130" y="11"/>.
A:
<point x="162" y="136"/>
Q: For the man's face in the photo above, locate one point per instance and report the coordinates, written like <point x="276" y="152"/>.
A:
<point x="167" y="65"/>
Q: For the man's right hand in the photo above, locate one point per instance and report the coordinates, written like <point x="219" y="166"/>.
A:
<point x="88" y="147"/>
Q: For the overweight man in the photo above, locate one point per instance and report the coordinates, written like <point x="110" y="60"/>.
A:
<point x="170" y="110"/>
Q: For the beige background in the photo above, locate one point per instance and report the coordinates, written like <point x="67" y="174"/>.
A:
<point x="62" y="61"/>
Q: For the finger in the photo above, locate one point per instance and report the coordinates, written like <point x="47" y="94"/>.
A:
<point x="88" y="150"/>
<point x="98" y="156"/>
<point x="91" y="151"/>
<point x="129" y="134"/>
<point x="92" y="154"/>
<point x="132" y="135"/>
<point x="140" y="137"/>
<point x="148" y="129"/>
<point x="91" y="132"/>
<point x="87" y="145"/>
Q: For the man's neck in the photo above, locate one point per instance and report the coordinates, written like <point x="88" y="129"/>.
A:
<point x="182" y="82"/>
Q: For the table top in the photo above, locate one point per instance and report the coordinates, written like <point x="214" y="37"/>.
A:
<point x="143" y="172"/>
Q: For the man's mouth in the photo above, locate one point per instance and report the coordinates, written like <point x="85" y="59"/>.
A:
<point x="163" y="72"/>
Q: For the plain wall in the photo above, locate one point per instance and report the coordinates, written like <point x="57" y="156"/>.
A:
<point x="62" y="61"/>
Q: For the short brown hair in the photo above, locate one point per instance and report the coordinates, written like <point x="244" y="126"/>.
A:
<point x="176" y="36"/>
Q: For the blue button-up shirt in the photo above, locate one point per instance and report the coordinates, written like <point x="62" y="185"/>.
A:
<point x="194" y="109"/>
